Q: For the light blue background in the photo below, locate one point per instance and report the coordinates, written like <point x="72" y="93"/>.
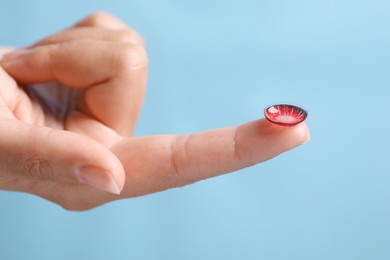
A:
<point x="217" y="63"/>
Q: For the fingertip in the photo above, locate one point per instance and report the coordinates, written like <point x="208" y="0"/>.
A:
<point x="113" y="168"/>
<point x="99" y="178"/>
<point x="261" y="140"/>
<point x="306" y="136"/>
<point x="91" y="162"/>
<point x="295" y="135"/>
<point x="118" y="174"/>
<point x="299" y="133"/>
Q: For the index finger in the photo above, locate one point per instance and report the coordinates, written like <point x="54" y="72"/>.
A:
<point x="160" y="162"/>
<point x="157" y="163"/>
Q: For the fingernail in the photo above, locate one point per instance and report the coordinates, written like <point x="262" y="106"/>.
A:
<point x="14" y="55"/>
<point x="98" y="178"/>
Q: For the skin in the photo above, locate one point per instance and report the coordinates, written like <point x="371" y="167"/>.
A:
<point x="82" y="123"/>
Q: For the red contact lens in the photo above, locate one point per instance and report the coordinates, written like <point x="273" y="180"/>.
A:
<point x="285" y="115"/>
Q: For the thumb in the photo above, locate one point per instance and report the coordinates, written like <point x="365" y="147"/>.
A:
<point x="33" y="153"/>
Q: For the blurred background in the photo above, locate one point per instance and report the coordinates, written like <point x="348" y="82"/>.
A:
<point x="219" y="63"/>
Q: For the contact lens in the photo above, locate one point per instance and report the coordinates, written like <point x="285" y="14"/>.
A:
<point x="285" y="115"/>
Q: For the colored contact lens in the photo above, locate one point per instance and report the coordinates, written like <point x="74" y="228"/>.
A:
<point x="286" y="115"/>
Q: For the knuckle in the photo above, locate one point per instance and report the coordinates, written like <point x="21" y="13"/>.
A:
<point x="58" y="37"/>
<point x="70" y="207"/>
<point x="72" y="204"/>
<point x="179" y="152"/>
<point x="176" y="168"/>
<point x="128" y="36"/>
<point x="56" y="52"/>
<point x="99" y="19"/>
<point x="56" y="55"/>
<point x="38" y="168"/>
<point x="236" y="150"/>
<point x="130" y="57"/>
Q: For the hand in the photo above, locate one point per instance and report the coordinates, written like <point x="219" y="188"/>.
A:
<point x="72" y="141"/>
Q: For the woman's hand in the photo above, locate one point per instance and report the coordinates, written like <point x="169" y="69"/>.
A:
<point x="71" y="140"/>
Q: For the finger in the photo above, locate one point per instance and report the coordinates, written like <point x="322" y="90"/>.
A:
<point x="161" y="162"/>
<point x="4" y="50"/>
<point x="93" y="33"/>
<point x="102" y="20"/>
<point x="113" y="75"/>
<point x="98" y="26"/>
<point x="39" y="154"/>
